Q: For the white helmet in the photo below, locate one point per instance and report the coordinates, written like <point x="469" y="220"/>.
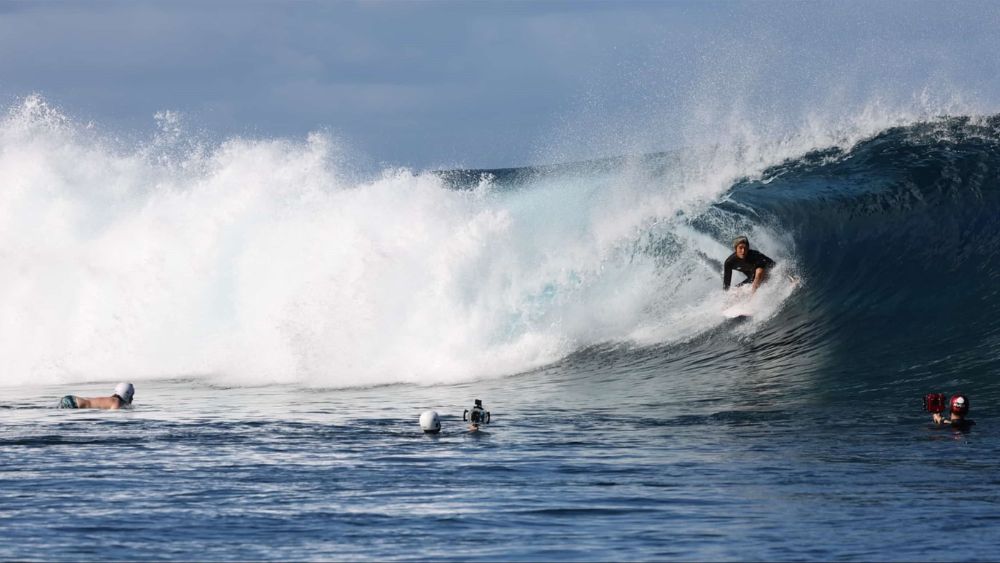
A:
<point x="430" y="422"/>
<point x="125" y="392"/>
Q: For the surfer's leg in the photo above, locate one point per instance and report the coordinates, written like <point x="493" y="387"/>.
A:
<point x="68" y="402"/>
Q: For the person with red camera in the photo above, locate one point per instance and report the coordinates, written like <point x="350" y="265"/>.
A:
<point x="958" y="407"/>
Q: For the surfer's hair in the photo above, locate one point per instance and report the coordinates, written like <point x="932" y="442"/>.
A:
<point x="741" y="240"/>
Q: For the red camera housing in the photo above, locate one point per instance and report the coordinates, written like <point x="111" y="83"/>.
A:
<point x="935" y="402"/>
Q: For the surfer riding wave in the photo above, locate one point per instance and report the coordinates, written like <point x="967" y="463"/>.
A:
<point x="752" y="263"/>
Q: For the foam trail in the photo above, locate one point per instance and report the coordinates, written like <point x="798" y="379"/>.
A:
<point x="259" y="261"/>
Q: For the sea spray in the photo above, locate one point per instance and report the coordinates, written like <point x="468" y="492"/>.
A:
<point x="254" y="261"/>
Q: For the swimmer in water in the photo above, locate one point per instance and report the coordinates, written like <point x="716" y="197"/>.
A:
<point x="121" y="399"/>
<point x="477" y="416"/>
<point x="959" y="409"/>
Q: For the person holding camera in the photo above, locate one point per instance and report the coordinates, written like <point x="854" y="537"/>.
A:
<point x="477" y="416"/>
<point x="958" y="407"/>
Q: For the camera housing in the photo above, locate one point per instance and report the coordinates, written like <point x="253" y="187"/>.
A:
<point x="477" y="415"/>
<point x="935" y="402"/>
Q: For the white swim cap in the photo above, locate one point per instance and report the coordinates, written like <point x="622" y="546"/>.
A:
<point x="430" y="422"/>
<point x="125" y="391"/>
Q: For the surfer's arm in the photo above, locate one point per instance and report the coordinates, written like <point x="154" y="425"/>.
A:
<point x="727" y="275"/>
<point x="758" y="277"/>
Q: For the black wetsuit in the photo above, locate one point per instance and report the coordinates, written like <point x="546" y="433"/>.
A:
<point x="962" y="425"/>
<point x="748" y="266"/>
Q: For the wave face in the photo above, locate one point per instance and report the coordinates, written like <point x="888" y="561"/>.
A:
<point x="267" y="261"/>
<point x="897" y="238"/>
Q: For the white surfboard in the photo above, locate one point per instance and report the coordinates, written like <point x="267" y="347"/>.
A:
<point x="737" y="311"/>
<point x="738" y="303"/>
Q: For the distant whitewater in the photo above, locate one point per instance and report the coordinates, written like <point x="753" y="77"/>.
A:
<point x="257" y="261"/>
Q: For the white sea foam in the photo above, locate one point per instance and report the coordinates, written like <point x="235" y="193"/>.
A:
<point x="255" y="261"/>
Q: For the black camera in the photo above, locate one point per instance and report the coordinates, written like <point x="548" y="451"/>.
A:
<point x="935" y="402"/>
<point x="477" y="415"/>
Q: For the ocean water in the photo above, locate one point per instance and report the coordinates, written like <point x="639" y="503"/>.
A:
<point x="285" y="324"/>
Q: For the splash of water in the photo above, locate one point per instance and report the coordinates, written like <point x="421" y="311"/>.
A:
<point x="260" y="260"/>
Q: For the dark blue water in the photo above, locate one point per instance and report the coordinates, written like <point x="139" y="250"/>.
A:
<point x="801" y="438"/>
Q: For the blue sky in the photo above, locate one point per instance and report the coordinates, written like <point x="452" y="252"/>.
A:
<point x="487" y="84"/>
